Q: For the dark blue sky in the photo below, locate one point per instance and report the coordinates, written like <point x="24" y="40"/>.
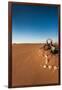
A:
<point x="34" y="24"/>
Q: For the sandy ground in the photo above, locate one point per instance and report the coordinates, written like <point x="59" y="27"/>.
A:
<point x="33" y="66"/>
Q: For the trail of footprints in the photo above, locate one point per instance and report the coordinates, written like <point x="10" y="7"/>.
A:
<point x="50" y="67"/>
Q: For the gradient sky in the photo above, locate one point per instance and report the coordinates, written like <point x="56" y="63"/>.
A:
<point x="34" y="24"/>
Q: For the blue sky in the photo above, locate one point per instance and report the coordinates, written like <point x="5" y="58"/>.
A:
<point x="34" y="24"/>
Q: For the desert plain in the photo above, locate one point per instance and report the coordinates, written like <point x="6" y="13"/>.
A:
<point x="32" y="65"/>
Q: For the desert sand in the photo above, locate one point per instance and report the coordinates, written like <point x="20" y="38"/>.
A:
<point x="32" y="65"/>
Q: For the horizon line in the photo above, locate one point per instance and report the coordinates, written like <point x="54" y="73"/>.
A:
<point x="29" y="43"/>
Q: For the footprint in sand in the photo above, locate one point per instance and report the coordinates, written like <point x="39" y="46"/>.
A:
<point x="55" y="68"/>
<point x="50" y="67"/>
<point x="45" y="66"/>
